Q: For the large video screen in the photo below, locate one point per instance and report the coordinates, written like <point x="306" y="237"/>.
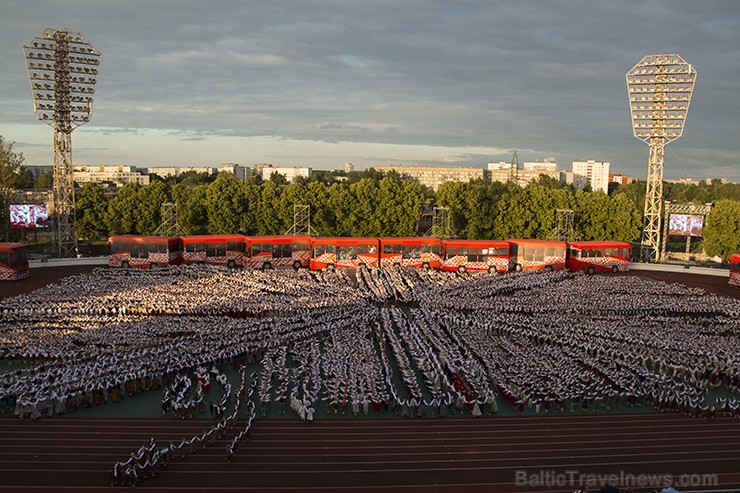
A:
<point x="28" y="216"/>
<point x="686" y="225"/>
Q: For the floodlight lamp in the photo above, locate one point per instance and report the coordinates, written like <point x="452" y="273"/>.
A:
<point x="660" y="89"/>
<point x="49" y="57"/>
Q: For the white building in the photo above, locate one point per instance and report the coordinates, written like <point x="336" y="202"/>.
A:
<point x="165" y="171"/>
<point x="548" y="164"/>
<point x="349" y="167"/>
<point x="595" y="173"/>
<point x="120" y="175"/>
<point x="240" y="172"/>
<point x="290" y="174"/>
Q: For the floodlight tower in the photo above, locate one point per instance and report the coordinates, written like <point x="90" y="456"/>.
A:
<point x="63" y="70"/>
<point x="659" y="88"/>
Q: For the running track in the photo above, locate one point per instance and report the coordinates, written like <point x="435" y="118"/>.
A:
<point x="362" y="456"/>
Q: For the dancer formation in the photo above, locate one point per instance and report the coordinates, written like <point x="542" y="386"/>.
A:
<point x="403" y="341"/>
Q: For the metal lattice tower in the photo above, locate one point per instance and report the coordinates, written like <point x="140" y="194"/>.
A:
<point x="170" y="225"/>
<point x="563" y="226"/>
<point x="301" y="220"/>
<point x="440" y="223"/>
<point x="660" y="89"/>
<point x="63" y="70"/>
<point x="515" y="168"/>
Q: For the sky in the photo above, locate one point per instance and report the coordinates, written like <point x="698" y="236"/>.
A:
<point x="379" y="82"/>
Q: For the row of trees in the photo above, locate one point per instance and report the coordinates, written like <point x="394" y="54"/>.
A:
<point x="381" y="206"/>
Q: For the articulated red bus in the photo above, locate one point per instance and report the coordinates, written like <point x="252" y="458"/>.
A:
<point x="423" y="252"/>
<point x="344" y="252"/>
<point x="267" y="252"/>
<point x="735" y="270"/>
<point x="226" y="250"/>
<point x="465" y="255"/>
<point x="144" y="251"/>
<point x="599" y="256"/>
<point x="13" y="261"/>
<point x="536" y="254"/>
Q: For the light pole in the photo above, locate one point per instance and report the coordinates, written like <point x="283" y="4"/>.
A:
<point x="63" y="70"/>
<point x="659" y="89"/>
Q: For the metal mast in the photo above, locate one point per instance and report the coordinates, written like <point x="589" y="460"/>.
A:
<point x="440" y="223"/>
<point x="563" y="225"/>
<point x="660" y="89"/>
<point x="63" y="69"/>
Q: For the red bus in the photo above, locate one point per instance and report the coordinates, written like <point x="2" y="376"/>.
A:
<point x="599" y="256"/>
<point x="144" y="251"/>
<point x="423" y="252"/>
<point x="13" y="261"/>
<point x="267" y="252"/>
<point x="735" y="270"/>
<point x="226" y="250"/>
<point x="536" y="254"/>
<point x="465" y="255"/>
<point x="344" y="252"/>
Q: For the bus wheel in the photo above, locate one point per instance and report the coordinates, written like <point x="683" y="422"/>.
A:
<point x="518" y="267"/>
<point x="125" y="264"/>
<point x="614" y="269"/>
<point x="492" y="270"/>
<point x="231" y="264"/>
<point x="461" y="269"/>
<point x="297" y="264"/>
<point x="425" y="266"/>
<point x="548" y="268"/>
<point x="590" y="270"/>
<point x="153" y="265"/>
<point x="267" y="266"/>
<point x="330" y="267"/>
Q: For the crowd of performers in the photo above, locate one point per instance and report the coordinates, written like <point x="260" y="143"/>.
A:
<point x="147" y="460"/>
<point x="410" y="342"/>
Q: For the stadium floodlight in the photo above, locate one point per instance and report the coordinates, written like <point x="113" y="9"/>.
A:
<point x="659" y="89"/>
<point x="63" y="70"/>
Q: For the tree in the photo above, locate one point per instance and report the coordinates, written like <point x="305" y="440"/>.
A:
<point x="90" y="210"/>
<point x="722" y="231"/>
<point x="122" y="210"/>
<point x="10" y="164"/>
<point x="149" y="207"/>
<point x="191" y="208"/>
<point x="225" y="205"/>
<point x="44" y="181"/>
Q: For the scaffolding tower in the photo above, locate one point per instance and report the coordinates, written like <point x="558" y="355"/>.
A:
<point x="441" y="223"/>
<point x="301" y="220"/>
<point x="170" y="225"/>
<point x="563" y="226"/>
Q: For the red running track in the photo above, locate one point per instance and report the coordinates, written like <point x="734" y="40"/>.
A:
<point x="361" y="456"/>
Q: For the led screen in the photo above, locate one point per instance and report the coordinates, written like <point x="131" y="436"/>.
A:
<point x="686" y="225"/>
<point x="28" y="216"/>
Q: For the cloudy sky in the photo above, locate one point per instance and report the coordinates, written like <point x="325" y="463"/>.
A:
<point x="377" y="82"/>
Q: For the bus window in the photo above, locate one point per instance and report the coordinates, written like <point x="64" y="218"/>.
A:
<point x="319" y="250"/>
<point x="144" y="250"/>
<point x="372" y="249"/>
<point x="267" y="248"/>
<point x="426" y="248"/>
<point x="115" y="247"/>
<point x="549" y="252"/>
<point x="397" y="248"/>
<point x="406" y="251"/>
<point x="232" y="246"/>
<point x="256" y="248"/>
<point x="4" y="258"/>
<point x="221" y="250"/>
<point x="18" y="259"/>
<point x="341" y="252"/>
<point x="503" y="252"/>
<point x="387" y="249"/>
<point x="190" y="248"/>
<point x="352" y="252"/>
<point x="331" y="249"/>
<point x="435" y="249"/>
<point x="462" y="251"/>
<point x="539" y="254"/>
<point x="284" y="251"/>
<point x="200" y="247"/>
<point x="416" y="251"/>
<point x="451" y="252"/>
<point x="361" y="249"/>
<point x="575" y="253"/>
<point x="162" y="248"/>
<point x="300" y="246"/>
<point x="210" y="250"/>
